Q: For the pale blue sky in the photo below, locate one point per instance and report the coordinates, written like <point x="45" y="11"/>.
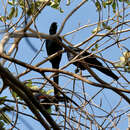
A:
<point x="85" y="15"/>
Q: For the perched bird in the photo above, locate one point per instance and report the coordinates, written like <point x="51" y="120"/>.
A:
<point x="91" y="61"/>
<point x="43" y="99"/>
<point x="46" y="100"/>
<point x="52" y="47"/>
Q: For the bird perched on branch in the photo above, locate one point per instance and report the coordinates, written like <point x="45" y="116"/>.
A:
<point x="46" y="100"/>
<point x="91" y="61"/>
<point x="52" y="47"/>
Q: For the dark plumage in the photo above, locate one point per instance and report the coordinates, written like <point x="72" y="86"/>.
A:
<point x="47" y="100"/>
<point x="52" y="47"/>
<point x="91" y="62"/>
<point x="43" y="99"/>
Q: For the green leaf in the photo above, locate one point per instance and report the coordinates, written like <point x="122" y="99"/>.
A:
<point x="62" y="11"/>
<point x="6" y="109"/>
<point x="5" y="118"/>
<point x="118" y="64"/>
<point x="15" y="95"/>
<point x="34" y="87"/>
<point x="55" y="5"/>
<point x="104" y="4"/>
<point x="25" y="107"/>
<point x="126" y="54"/>
<point x="29" y="83"/>
<point x="126" y="1"/>
<point x="30" y="11"/>
<point x="122" y="59"/>
<point x="33" y="7"/>
<point x="10" y="2"/>
<point x="2" y="125"/>
<point x="3" y="18"/>
<point x="98" y="5"/>
<point x="68" y="2"/>
<point x="109" y="2"/>
<point x="125" y="61"/>
<point x="120" y="16"/>
<point x="16" y="12"/>
<point x="114" y="6"/>
<point x="49" y="110"/>
<point x="96" y="29"/>
<point x="105" y="26"/>
<point x="93" y="49"/>
<point x="13" y="2"/>
<point x="2" y="99"/>
<point x="42" y="0"/>
<point x="11" y="13"/>
<point x="127" y="69"/>
<point x="50" y="91"/>
<point x="127" y="58"/>
<point x="96" y="46"/>
<point x="21" y="3"/>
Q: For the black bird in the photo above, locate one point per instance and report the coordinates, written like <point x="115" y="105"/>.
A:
<point x="52" y="47"/>
<point x="91" y="62"/>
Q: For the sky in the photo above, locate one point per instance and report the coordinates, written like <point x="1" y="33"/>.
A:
<point x="87" y="14"/>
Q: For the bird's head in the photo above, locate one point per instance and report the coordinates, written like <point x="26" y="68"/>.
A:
<point x="53" y="28"/>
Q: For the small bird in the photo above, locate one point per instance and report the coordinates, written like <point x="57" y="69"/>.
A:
<point x="91" y="61"/>
<point x="52" y="47"/>
<point x="43" y="99"/>
<point x="46" y="100"/>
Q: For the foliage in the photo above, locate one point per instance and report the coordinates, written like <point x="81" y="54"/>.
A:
<point x="4" y="118"/>
<point x="87" y="96"/>
<point x="124" y="61"/>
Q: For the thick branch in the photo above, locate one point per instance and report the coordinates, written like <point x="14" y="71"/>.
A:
<point x="24" y="89"/>
<point x="41" y="70"/>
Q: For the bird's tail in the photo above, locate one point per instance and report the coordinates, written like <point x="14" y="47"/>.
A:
<point x="107" y="71"/>
<point x="56" y="93"/>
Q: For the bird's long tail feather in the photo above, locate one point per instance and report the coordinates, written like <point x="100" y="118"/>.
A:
<point x="107" y="72"/>
<point x="56" y="80"/>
